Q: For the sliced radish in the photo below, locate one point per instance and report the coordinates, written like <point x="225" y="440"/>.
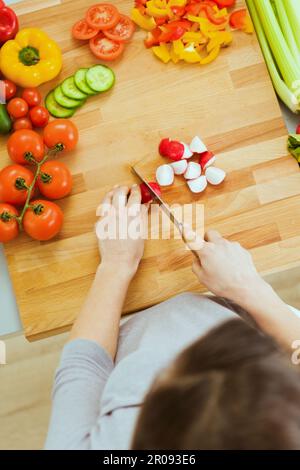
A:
<point x="206" y="159"/>
<point x="197" y="146"/>
<point x="215" y="175"/>
<point x="187" y="152"/>
<point x="165" y="175"/>
<point x="146" y="195"/>
<point x="193" y="171"/>
<point x="163" y="147"/>
<point x="175" y="150"/>
<point x="198" y="185"/>
<point x="179" y="167"/>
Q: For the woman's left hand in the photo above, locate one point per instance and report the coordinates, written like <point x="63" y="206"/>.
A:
<point x="121" y="230"/>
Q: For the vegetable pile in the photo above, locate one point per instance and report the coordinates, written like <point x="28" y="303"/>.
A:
<point x="20" y="208"/>
<point x="106" y="29"/>
<point x="71" y="94"/>
<point x="277" y="24"/>
<point x="197" y="173"/>
<point x="193" y="31"/>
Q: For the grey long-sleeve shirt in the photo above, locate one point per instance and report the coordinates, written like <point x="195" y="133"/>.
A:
<point x="96" y="401"/>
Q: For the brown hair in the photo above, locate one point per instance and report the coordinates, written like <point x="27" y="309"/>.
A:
<point x="232" y="389"/>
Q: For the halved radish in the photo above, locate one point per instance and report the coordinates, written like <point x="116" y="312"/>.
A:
<point x="193" y="171"/>
<point x="165" y="175"/>
<point x="179" y="167"/>
<point x="171" y="149"/>
<point x="187" y="151"/>
<point x="197" y="146"/>
<point x="206" y="159"/>
<point x="215" y="175"/>
<point x="198" y="185"/>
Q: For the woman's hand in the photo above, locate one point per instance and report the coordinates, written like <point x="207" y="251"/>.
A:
<point x="121" y="230"/>
<point x="224" y="267"/>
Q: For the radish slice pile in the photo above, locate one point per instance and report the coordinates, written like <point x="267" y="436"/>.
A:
<point x="179" y="153"/>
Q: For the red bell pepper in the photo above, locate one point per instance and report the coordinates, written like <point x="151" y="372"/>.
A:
<point x="9" y="25"/>
<point x="225" y="3"/>
<point x="170" y="33"/>
<point x="210" y="13"/>
<point x="152" y="38"/>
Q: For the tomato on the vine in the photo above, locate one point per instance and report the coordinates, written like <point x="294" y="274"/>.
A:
<point x="25" y="145"/>
<point x="39" y="116"/>
<point x="14" y="183"/>
<point x="61" y="134"/>
<point x="9" y="227"/>
<point x="17" y="108"/>
<point x="32" y="96"/>
<point x="43" y="220"/>
<point x="10" y="89"/>
<point x="55" y="180"/>
<point x="22" y="123"/>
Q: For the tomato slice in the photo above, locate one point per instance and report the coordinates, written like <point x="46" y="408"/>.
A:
<point x="81" y="30"/>
<point x="102" y="16"/>
<point x="123" y="30"/>
<point x="106" y="49"/>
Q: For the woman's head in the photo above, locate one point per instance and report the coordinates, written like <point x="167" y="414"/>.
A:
<point x="233" y="389"/>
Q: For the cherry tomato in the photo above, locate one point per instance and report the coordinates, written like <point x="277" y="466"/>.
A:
<point x="146" y="195"/>
<point x="102" y="16"/>
<point x="106" y="49"/>
<point x="61" y="134"/>
<point x="10" y="89"/>
<point x="24" y="145"/>
<point x="14" y="179"/>
<point x="17" y="108"/>
<point x="55" y="180"/>
<point x="39" y="116"/>
<point x="22" y="123"/>
<point x="122" y="31"/>
<point x="9" y="227"/>
<point x="43" y="220"/>
<point x="32" y="96"/>
<point x="81" y="30"/>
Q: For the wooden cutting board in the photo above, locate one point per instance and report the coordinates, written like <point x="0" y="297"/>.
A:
<point x="230" y="103"/>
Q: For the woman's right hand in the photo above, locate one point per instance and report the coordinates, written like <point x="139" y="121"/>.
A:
<point x="224" y="267"/>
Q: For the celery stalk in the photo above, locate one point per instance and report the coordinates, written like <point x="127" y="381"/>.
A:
<point x="278" y="45"/>
<point x="286" y="28"/>
<point x="281" y="88"/>
<point x="292" y="8"/>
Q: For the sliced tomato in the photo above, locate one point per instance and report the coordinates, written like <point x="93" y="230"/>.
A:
<point x="81" y="30"/>
<point x="106" y="49"/>
<point x="102" y="16"/>
<point x="123" y="30"/>
<point x="238" y="18"/>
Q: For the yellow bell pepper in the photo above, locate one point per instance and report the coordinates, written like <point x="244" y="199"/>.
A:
<point x="142" y="21"/>
<point x="177" y="3"/>
<point x="197" y="37"/>
<point x="153" y="10"/>
<point x="190" y="55"/>
<point x="249" y="28"/>
<point x="211" y="56"/>
<point x="220" y="38"/>
<point x="162" y="52"/>
<point x="174" y="57"/>
<point x="30" y="59"/>
<point x="178" y="47"/>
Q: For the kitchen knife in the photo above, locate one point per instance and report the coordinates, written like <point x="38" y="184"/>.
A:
<point x="165" y="209"/>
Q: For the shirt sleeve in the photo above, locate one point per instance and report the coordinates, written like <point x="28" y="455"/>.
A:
<point x="78" y="386"/>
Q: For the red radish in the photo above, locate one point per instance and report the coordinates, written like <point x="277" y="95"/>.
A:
<point x="197" y="146"/>
<point x="163" y="147"/>
<point x="206" y="159"/>
<point x="187" y="152"/>
<point x="165" y="175"/>
<point x="179" y="167"/>
<point x="175" y="150"/>
<point x="146" y="195"/>
<point x="298" y="129"/>
<point x="215" y="175"/>
<point x="193" y="171"/>
<point x="198" y="185"/>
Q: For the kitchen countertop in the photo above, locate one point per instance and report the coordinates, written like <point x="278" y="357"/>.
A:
<point x="9" y="317"/>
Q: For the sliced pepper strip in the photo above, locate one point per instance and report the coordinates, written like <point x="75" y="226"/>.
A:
<point x="174" y="57"/>
<point x="162" y="52"/>
<point x="142" y="21"/>
<point x="211" y="56"/>
<point x="196" y="37"/>
<point x="190" y="55"/>
<point x="221" y="38"/>
<point x="178" y="47"/>
<point x="153" y="10"/>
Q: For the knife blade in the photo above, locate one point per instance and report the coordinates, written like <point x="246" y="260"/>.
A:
<point x="165" y="209"/>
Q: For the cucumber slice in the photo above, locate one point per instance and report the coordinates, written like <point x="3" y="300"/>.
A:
<point x="55" y="109"/>
<point x="100" y="78"/>
<point x="70" y="89"/>
<point x="64" y="101"/>
<point x="80" y="82"/>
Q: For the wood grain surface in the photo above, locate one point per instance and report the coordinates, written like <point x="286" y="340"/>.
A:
<point x="230" y="103"/>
